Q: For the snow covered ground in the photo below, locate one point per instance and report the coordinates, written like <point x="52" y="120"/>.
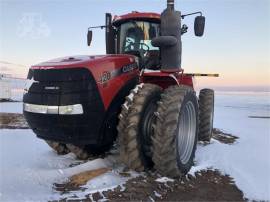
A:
<point x="28" y="168"/>
<point x="247" y="161"/>
<point x="13" y="107"/>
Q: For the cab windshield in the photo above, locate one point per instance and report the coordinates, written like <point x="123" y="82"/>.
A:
<point x="135" y="37"/>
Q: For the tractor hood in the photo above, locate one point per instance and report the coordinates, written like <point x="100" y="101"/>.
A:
<point x="86" y="61"/>
<point x="109" y="74"/>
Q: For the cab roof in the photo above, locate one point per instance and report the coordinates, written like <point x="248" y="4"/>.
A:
<point x="152" y="17"/>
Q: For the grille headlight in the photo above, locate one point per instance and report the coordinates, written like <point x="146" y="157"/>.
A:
<point x="52" y="110"/>
<point x="71" y="109"/>
<point x="41" y="109"/>
<point x="44" y="109"/>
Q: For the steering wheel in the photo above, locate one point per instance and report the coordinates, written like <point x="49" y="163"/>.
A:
<point x="143" y="50"/>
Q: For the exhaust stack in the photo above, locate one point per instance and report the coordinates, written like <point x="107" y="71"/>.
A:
<point x="170" y="4"/>
<point x="169" y="41"/>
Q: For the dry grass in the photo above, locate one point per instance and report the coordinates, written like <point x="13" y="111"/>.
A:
<point x="83" y="177"/>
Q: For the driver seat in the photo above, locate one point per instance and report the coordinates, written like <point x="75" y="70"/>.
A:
<point x="153" y="60"/>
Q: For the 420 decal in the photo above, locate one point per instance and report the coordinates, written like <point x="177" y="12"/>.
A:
<point x="107" y="75"/>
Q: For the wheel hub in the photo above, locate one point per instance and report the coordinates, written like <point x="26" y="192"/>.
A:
<point x="147" y="129"/>
<point x="186" y="132"/>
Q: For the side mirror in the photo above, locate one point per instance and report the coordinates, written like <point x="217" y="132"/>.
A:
<point x="89" y="37"/>
<point x="199" y="24"/>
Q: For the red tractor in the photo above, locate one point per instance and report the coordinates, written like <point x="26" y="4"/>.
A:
<point x="137" y="91"/>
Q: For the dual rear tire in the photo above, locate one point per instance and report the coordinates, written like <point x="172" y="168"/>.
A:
<point x="161" y="129"/>
<point x="135" y="127"/>
<point x="176" y="131"/>
<point x="206" y="114"/>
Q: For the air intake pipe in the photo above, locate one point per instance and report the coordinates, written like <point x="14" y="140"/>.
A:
<point x="169" y="41"/>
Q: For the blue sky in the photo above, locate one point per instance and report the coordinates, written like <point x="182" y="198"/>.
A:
<point x="236" y="43"/>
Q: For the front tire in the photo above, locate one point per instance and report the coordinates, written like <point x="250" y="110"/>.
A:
<point x="79" y="151"/>
<point x="135" y="127"/>
<point x="84" y="152"/>
<point x="176" y="131"/>
<point x="59" y="148"/>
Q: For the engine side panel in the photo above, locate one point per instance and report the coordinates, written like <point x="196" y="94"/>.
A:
<point x="111" y="76"/>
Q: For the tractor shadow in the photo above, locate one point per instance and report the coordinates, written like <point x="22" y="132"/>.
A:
<point x="222" y="137"/>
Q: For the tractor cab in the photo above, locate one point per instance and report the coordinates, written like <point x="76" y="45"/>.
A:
<point x="132" y="34"/>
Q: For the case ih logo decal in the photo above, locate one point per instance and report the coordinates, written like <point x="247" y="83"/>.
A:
<point x="129" y="67"/>
<point x="106" y="76"/>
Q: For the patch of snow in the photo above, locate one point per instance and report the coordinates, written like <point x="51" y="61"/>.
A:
<point x="151" y="199"/>
<point x="157" y="194"/>
<point x="197" y="168"/>
<point x="125" y="105"/>
<point x="131" y="95"/>
<point x="60" y="171"/>
<point x="138" y="86"/>
<point x="164" y="180"/>
<point x="11" y="107"/>
<point x="135" y="90"/>
<point x="123" y="188"/>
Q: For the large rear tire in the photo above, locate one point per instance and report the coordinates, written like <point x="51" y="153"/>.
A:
<point x="206" y="114"/>
<point x="176" y="131"/>
<point x="135" y="127"/>
<point x="59" y="148"/>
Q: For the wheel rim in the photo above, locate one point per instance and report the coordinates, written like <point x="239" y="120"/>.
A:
<point x="147" y="128"/>
<point x="186" y="132"/>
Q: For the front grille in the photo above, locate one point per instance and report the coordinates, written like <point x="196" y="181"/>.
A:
<point x="70" y="74"/>
<point x="61" y="87"/>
